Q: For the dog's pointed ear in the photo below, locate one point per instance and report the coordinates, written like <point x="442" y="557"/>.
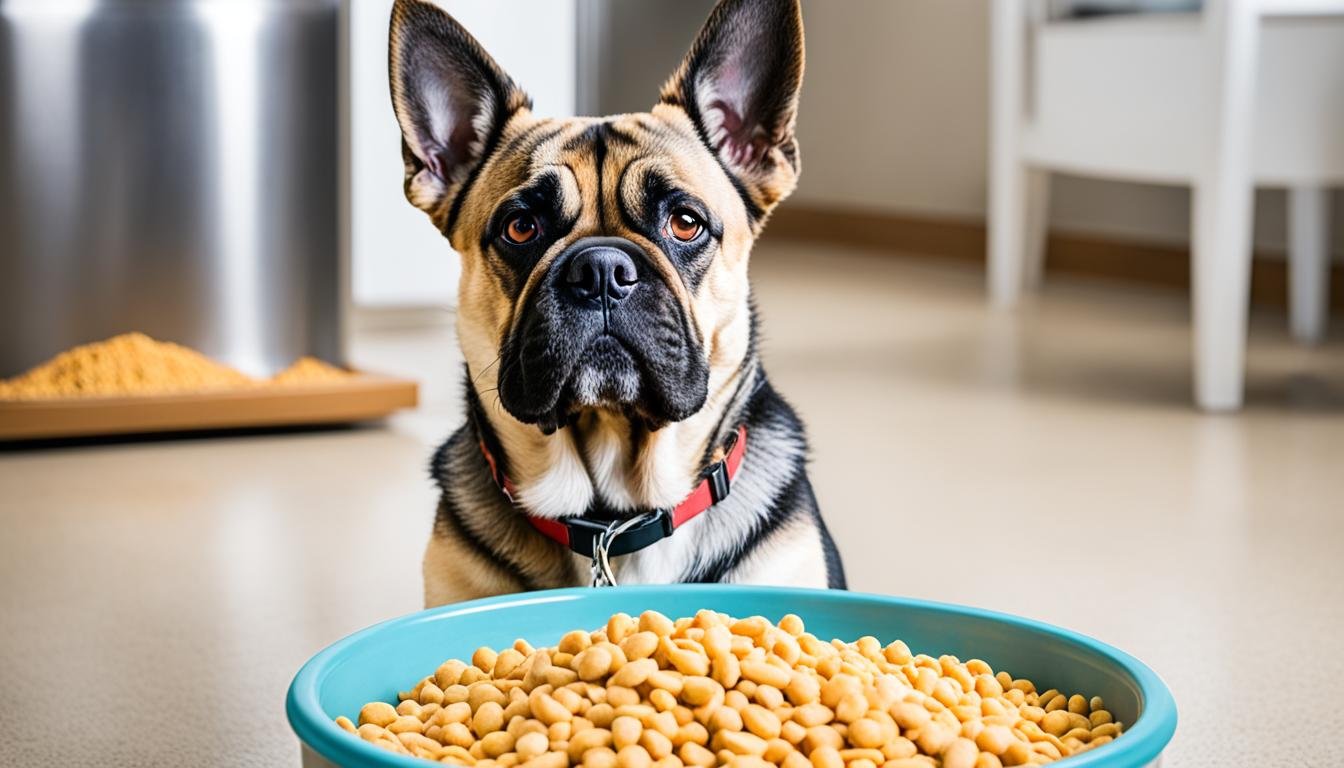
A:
<point x="450" y="97"/>
<point x="740" y="85"/>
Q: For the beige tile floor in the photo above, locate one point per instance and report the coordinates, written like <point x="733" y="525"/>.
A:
<point x="159" y="595"/>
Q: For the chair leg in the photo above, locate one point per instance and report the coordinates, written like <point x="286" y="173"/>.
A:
<point x="1007" y="172"/>
<point x="1220" y="287"/>
<point x="1038" y="226"/>
<point x="1308" y="262"/>
<point x="1221" y="237"/>
<point x="1007" y="234"/>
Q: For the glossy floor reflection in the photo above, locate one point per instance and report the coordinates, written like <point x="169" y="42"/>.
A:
<point x="159" y="595"/>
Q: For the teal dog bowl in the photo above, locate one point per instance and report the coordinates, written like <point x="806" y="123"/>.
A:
<point x="377" y="662"/>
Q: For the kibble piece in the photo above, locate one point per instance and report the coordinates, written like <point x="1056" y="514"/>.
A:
<point x="697" y="690"/>
<point x="826" y="757"/>
<point x="909" y="715"/>
<point x="753" y="626"/>
<point x="599" y="757"/>
<point x="696" y="754"/>
<point x="484" y="659"/>
<point x="546" y="708"/>
<point x="593" y="663"/>
<point x="497" y="743"/>
<point x="688" y="662"/>
<point x="1107" y="729"/>
<point x="934" y="737"/>
<point x="656" y="744"/>
<point x="531" y="744"/>
<point x="1081" y="734"/>
<point x="761" y="721"/>
<point x="621" y="696"/>
<point x="770" y="697"/>
<point x="408" y="723"/>
<point x="457" y="734"/>
<point x="822" y="736"/>
<point x="506" y="662"/>
<point x="655" y="622"/>
<point x="487" y="719"/>
<point x="725" y="719"/>
<point x="633" y="756"/>
<point x="625" y="731"/>
<point x="634" y="673"/>
<point x="378" y="713"/>
<point x="1056" y="722"/>
<point x="866" y="732"/>
<point x="961" y="753"/>
<point x="726" y="670"/>
<point x="1078" y="705"/>
<point x="994" y="739"/>
<point x="851" y="707"/>
<point x="619" y="626"/>
<point x="899" y="748"/>
<point x="762" y="673"/>
<point x="547" y="760"/>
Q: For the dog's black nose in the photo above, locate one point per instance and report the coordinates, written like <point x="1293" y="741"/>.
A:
<point x="601" y="271"/>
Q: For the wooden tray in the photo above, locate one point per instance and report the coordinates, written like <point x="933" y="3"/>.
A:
<point x="362" y="397"/>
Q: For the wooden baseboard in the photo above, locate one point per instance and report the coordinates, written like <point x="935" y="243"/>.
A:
<point x="1067" y="253"/>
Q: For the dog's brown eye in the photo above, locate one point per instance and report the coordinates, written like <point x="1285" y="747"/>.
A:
<point x="521" y="228"/>
<point x="684" y="225"/>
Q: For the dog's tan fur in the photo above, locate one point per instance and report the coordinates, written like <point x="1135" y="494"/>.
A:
<point x="602" y="453"/>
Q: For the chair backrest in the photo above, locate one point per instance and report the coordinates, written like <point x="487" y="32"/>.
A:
<point x="1134" y="96"/>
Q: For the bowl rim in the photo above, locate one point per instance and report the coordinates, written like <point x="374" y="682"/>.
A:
<point x="1145" y="738"/>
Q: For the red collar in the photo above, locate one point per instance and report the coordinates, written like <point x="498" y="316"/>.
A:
<point x="579" y="533"/>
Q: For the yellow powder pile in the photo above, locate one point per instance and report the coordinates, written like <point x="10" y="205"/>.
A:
<point x="310" y="370"/>
<point x="135" y="364"/>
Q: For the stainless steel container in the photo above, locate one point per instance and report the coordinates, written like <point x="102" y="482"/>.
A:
<point x="172" y="167"/>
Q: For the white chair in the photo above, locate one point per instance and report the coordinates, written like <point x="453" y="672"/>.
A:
<point x="1244" y="92"/>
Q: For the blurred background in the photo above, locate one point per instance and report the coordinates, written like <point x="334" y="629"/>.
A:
<point x="1058" y="296"/>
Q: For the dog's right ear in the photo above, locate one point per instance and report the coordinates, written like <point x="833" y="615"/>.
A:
<point x="740" y="85"/>
<point x="450" y="97"/>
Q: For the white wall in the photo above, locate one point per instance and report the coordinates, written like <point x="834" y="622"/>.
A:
<point x="398" y="258"/>
<point x="894" y="118"/>
<point x="895" y="108"/>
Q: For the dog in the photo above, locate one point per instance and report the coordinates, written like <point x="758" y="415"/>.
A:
<point x="620" y="427"/>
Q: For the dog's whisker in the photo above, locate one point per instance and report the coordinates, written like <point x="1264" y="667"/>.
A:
<point x="483" y="371"/>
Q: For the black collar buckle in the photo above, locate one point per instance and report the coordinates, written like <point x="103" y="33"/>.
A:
<point x="720" y="484"/>
<point x="584" y="533"/>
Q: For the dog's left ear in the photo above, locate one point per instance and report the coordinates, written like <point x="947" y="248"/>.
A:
<point x="450" y="98"/>
<point x="740" y="85"/>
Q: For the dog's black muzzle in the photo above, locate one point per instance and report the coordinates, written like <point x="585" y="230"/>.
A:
<point x="602" y="330"/>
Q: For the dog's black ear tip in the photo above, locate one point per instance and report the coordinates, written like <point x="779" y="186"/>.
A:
<point x="409" y="11"/>
<point x="789" y="12"/>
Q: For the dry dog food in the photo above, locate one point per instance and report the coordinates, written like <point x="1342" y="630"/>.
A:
<point x="135" y="364"/>
<point x="713" y="690"/>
